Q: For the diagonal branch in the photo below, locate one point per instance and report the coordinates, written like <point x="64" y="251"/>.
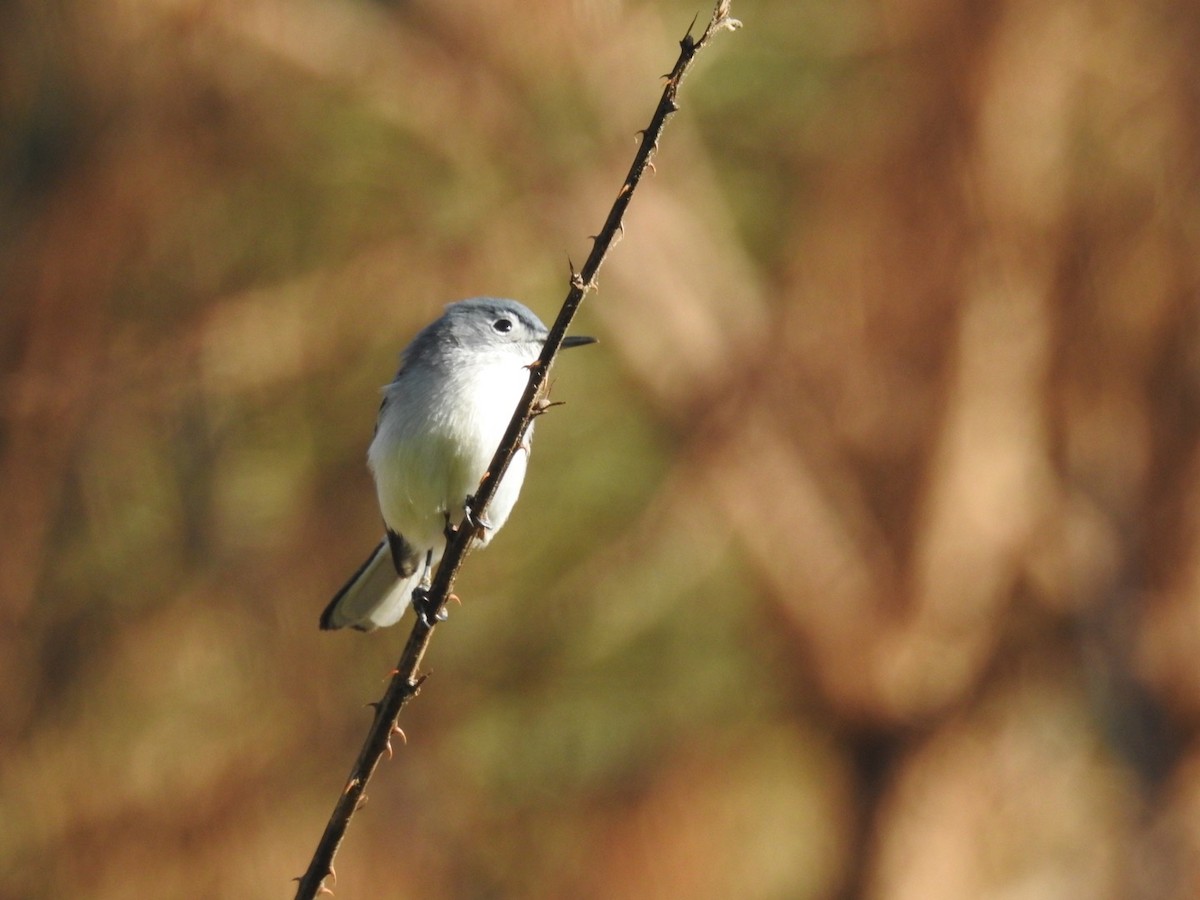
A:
<point x="406" y="683"/>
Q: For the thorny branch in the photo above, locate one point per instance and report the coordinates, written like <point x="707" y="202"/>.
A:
<point x="405" y="682"/>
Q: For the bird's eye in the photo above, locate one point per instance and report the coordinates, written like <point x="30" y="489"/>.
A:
<point x="504" y="326"/>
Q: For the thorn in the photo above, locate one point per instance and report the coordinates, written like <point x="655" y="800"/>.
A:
<point x="690" y="27"/>
<point x="332" y="873"/>
<point x="396" y="729"/>
<point x="362" y="801"/>
<point x="324" y="890"/>
<point x="545" y="406"/>
<point x="625" y="189"/>
<point x="374" y="704"/>
<point x="392" y="674"/>
<point x="350" y="785"/>
<point x="650" y="166"/>
<point x="451" y="598"/>
<point x="672" y="106"/>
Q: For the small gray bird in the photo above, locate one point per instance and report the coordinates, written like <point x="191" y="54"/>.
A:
<point x="440" y="422"/>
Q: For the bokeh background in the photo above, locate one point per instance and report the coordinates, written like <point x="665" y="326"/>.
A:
<point x="863" y="561"/>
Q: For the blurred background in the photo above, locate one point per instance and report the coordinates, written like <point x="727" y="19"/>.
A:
<point x="862" y="562"/>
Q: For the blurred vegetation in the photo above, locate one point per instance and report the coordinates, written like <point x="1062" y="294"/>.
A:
<point x="864" y="560"/>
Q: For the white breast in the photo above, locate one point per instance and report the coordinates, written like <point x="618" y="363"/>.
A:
<point x="436" y="435"/>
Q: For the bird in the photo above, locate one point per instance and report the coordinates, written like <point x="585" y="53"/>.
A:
<point x="440" y="422"/>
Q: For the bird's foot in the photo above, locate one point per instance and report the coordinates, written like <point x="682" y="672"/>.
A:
<point x="426" y="609"/>
<point x="475" y="521"/>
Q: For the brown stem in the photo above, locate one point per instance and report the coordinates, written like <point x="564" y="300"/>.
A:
<point x="405" y="682"/>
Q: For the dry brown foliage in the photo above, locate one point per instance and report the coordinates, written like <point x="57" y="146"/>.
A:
<point x="863" y="562"/>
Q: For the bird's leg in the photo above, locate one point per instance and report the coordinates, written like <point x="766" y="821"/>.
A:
<point x="427" y="575"/>
<point x="422" y="602"/>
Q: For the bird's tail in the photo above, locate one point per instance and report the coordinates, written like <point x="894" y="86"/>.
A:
<point x="374" y="597"/>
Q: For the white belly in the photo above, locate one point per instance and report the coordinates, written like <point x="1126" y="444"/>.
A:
<point x="433" y="444"/>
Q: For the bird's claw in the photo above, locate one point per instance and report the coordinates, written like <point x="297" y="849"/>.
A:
<point x="425" y="608"/>
<point x="475" y="521"/>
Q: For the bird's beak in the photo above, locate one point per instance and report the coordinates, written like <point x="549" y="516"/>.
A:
<point x="577" y="340"/>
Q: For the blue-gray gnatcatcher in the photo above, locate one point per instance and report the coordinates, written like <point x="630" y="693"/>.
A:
<point x="441" y="420"/>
